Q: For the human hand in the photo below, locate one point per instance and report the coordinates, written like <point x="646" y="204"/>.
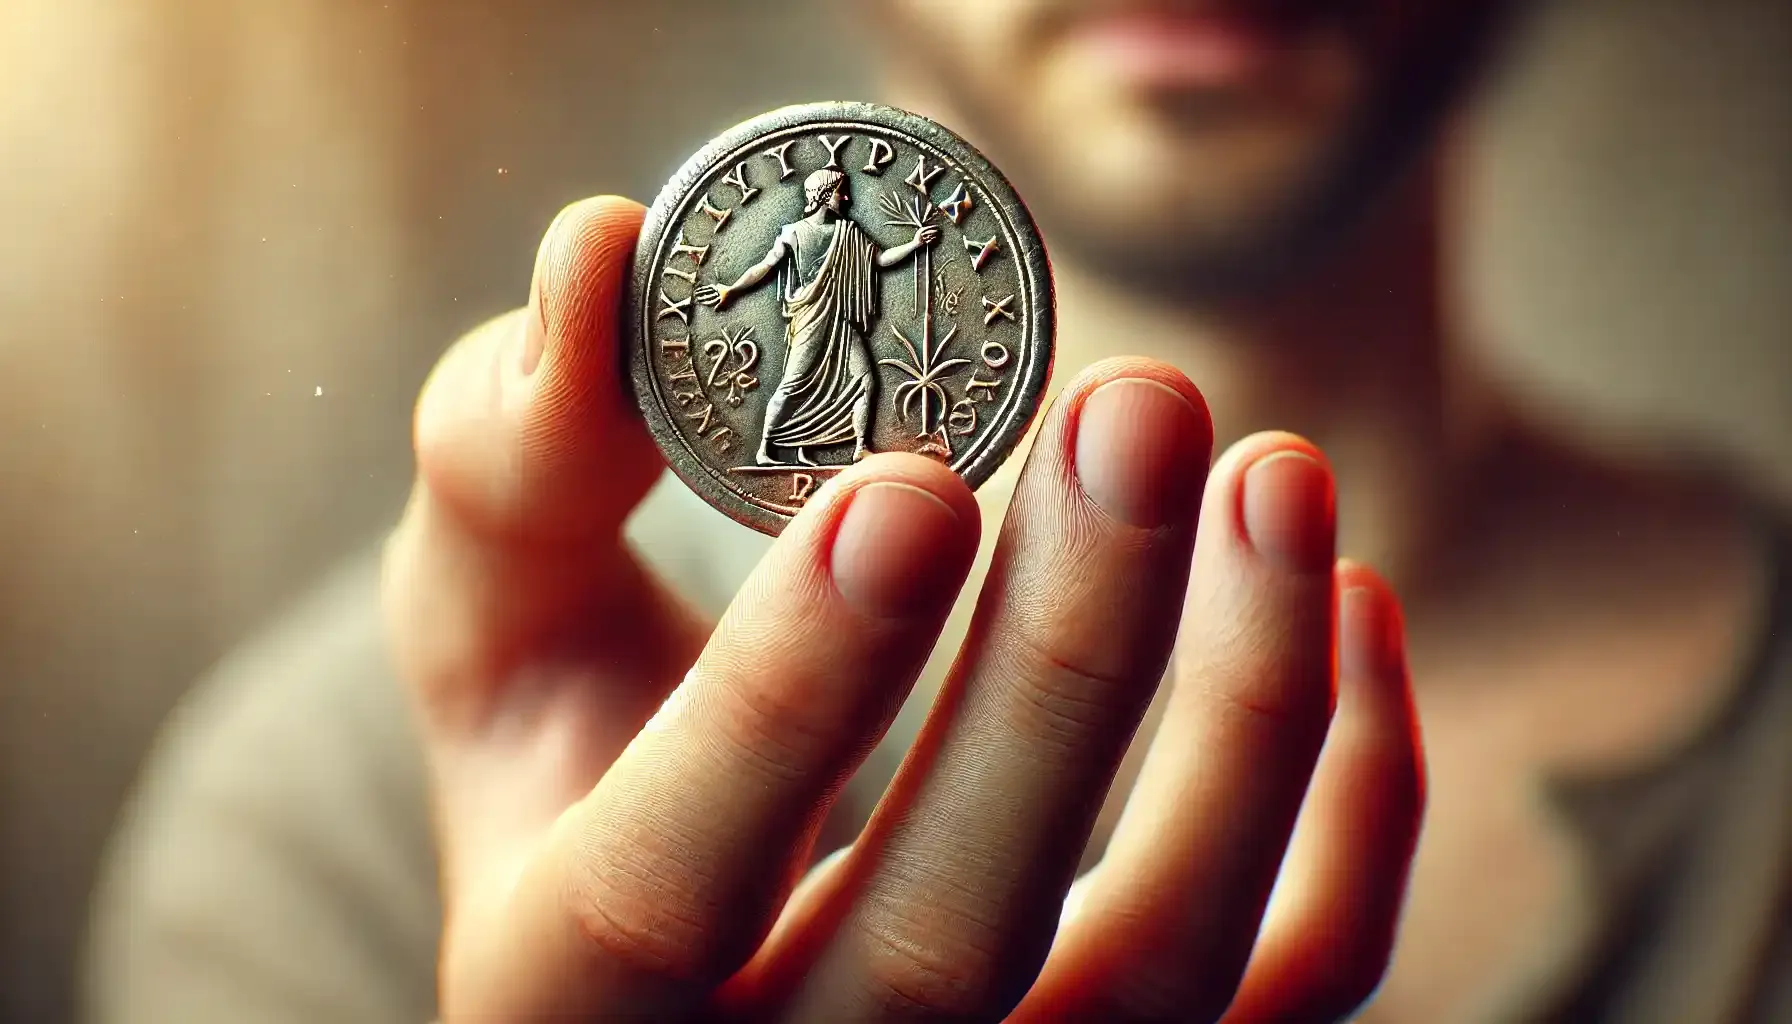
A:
<point x="713" y="295"/>
<point x="926" y="234"/>
<point x="608" y="853"/>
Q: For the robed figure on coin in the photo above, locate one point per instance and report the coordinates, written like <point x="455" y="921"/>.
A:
<point x="791" y="224"/>
<point x="826" y="394"/>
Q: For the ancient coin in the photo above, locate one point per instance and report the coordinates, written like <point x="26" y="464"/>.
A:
<point x="828" y="281"/>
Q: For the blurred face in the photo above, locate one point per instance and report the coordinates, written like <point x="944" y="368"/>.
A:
<point x="1194" y="143"/>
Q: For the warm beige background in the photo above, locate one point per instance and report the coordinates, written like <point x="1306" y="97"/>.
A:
<point x="212" y="209"/>
<point x="1630" y="225"/>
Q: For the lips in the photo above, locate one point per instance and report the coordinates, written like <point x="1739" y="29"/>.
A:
<point x="1192" y="44"/>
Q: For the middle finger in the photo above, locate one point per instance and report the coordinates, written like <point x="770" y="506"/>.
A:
<point x="961" y="871"/>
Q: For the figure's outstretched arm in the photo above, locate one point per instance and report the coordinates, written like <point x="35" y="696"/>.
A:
<point x="925" y="235"/>
<point x="718" y="295"/>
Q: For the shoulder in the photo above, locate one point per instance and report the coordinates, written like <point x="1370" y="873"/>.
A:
<point x="287" y="787"/>
<point x="1696" y="844"/>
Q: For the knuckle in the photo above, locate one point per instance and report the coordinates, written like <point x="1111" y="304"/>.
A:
<point x="946" y="965"/>
<point x="639" y="921"/>
<point x="1269" y="710"/>
<point x="1260" y="683"/>
<point x="1062" y="698"/>
<point x="766" y="735"/>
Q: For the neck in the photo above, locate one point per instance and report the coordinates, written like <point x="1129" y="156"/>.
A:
<point x="1355" y="357"/>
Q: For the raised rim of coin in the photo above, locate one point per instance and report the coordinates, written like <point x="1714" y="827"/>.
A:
<point x="746" y="139"/>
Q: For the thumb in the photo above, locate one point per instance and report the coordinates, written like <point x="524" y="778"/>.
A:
<point x="530" y="455"/>
<point x="532" y="641"/>
<point x="525" y="430"/>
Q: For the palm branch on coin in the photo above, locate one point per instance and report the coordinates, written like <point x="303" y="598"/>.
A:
<point x="924" y="367"/>
<point x="924" y="371"/>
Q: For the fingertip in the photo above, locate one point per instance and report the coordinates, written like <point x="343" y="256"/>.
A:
<point x="930" y="475"/>
<point x="596" y="218"/>
<point x="900" y="532"/>
<point x="1253" y="447"/>
<point x="580" y="271"/>
<point x="1372" y="658"/>
<point x="1371" y="635"/>
<point x="917" y="471"/>
<point x="1107" y="371"/>
<point x="524" y="427"/>
<point x="1283" y="498"/>
<point x="1352" y="573"/>
<point x="579" y="431"/>
<point x="1131" y="437"/>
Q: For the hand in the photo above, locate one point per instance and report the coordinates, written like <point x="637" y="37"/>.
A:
<point x="597" y="864"/>
<point x="926" y="234"/>
<point x="713" y="295"/>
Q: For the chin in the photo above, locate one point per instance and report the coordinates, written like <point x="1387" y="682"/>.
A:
<point x="1213" y="211"/>
<point x="1189" y="152"/>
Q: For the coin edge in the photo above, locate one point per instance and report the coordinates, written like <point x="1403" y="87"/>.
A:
<point x="1034" y="261"/>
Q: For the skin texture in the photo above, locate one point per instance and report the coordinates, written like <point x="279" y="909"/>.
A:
<point x="627" y="796"/>
<point x="1278" y="228"/>
<point x="1216" y="149"/>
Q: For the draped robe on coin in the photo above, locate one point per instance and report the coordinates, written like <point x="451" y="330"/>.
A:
<point x="828" y="317"/>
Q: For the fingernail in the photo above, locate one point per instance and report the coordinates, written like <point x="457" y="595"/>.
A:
<point x="1371" y="641"/>
<point x="1288" y="514"/>
<point x="897" y="550"/>
<point x="1141" y="451"/>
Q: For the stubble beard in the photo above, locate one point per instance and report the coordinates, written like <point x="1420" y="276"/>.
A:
<point x="1369" y="161"/>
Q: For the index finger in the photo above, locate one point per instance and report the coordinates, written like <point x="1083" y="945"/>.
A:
<point x="659" y="885"/>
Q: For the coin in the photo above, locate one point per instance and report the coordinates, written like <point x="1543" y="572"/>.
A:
<point x="827" y="281"/>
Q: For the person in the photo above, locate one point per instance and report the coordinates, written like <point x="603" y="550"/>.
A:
<point x="828" y="375"/>
<point x="621" y="796"/>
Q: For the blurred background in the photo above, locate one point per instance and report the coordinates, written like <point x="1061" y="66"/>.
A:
<point x="233" y="238"/>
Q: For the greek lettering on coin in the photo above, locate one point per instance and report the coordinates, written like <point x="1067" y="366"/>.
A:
<point x="828" y="281"/>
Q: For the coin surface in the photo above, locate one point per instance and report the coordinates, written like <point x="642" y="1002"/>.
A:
<point x="827" y="281"/>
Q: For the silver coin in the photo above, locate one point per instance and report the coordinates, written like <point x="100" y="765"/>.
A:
<point x="827" y="281"/>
